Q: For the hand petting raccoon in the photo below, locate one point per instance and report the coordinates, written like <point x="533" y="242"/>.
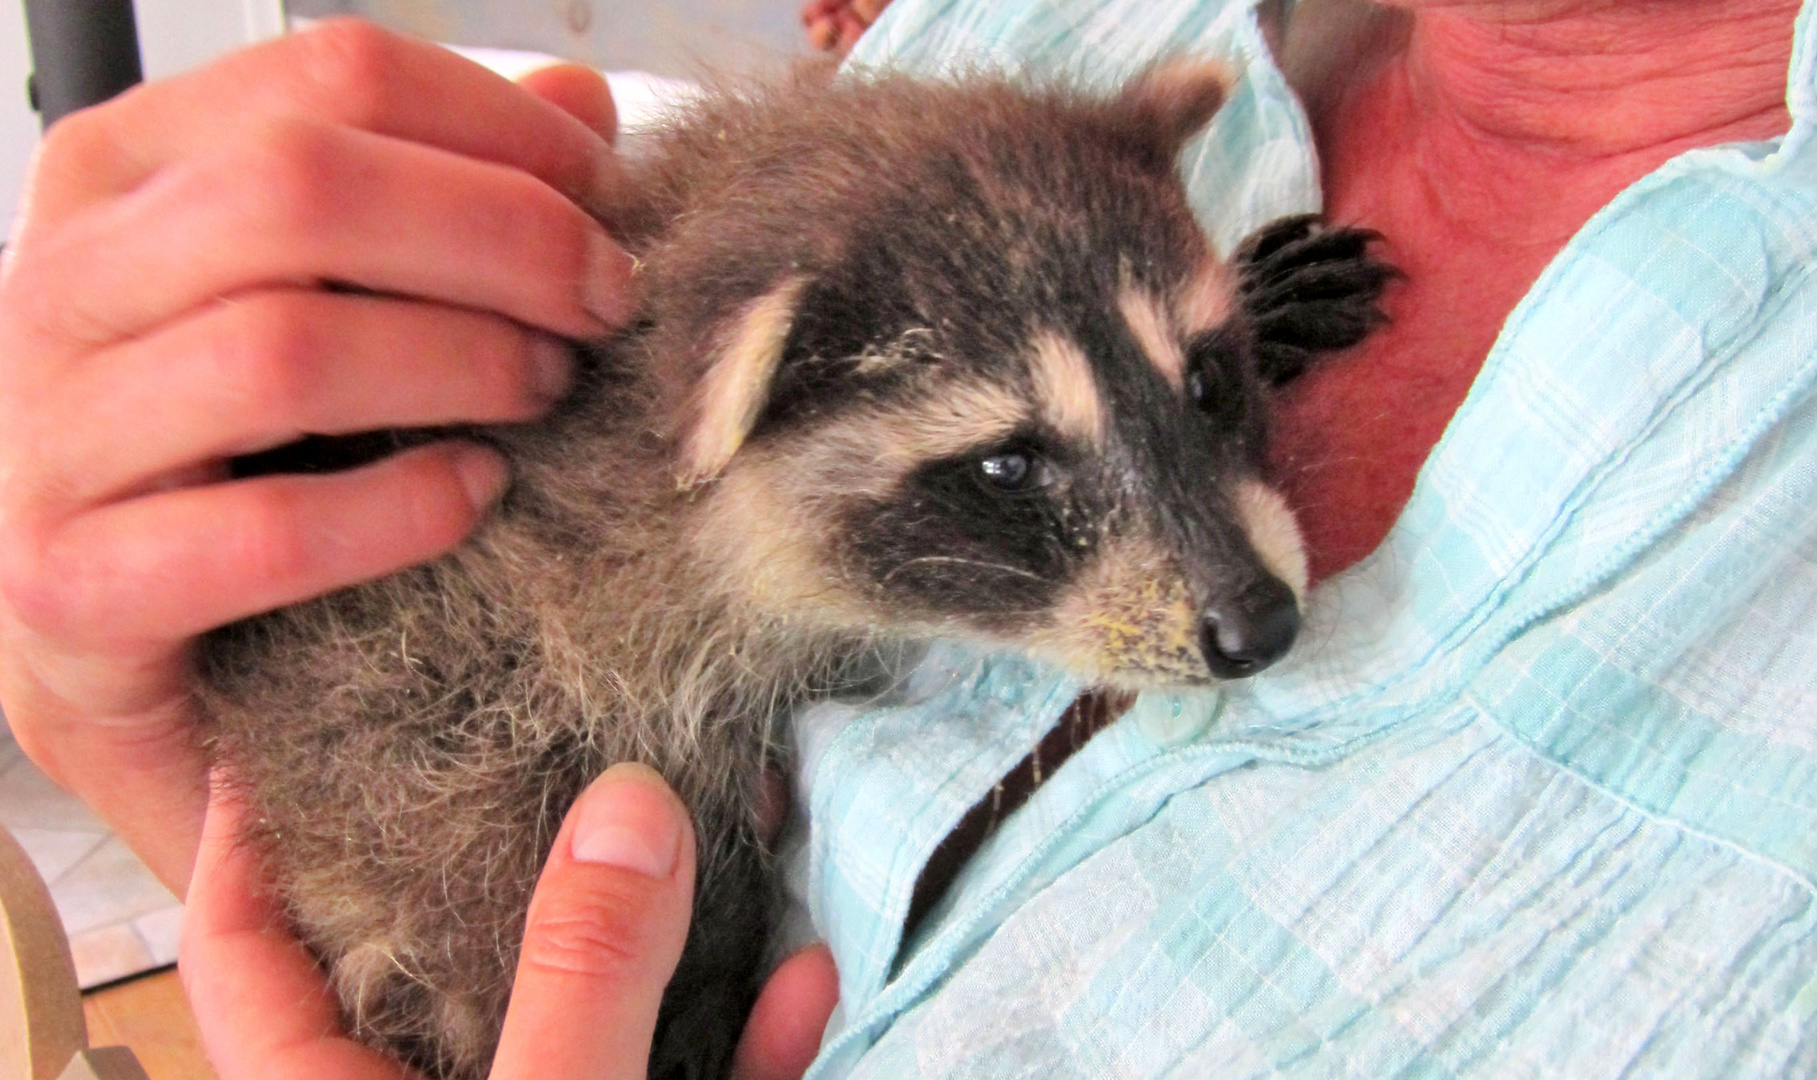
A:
<point x="161" y="311"/>
<point x="339" y="230"/>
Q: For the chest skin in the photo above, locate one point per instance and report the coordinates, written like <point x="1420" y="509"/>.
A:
<point x="1472" y="217"/>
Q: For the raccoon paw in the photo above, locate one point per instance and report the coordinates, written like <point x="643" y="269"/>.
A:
<point x="1308" y="289"/>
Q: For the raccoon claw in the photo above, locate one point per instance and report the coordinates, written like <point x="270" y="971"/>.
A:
<point x="1265" y="242"/>
<point x="1308" y="289"/>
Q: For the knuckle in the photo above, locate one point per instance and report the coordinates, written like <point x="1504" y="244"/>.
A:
<point x="349" y="68"/>
<point x="37" y="598"/>
<point x="291" y="176"/>
<point x="271" y="354"/>
<point x="602" y="935"/>
<point x="72" y="143"/>
<point x="269" y="542"/>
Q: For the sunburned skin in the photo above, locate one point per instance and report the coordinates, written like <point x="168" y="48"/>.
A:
<point x="1511" y="123"/>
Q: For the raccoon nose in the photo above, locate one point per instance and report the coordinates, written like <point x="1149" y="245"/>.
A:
<point x="1245" y="633"/>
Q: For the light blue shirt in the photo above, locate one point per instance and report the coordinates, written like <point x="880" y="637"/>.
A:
<point x="1536" y="797"/>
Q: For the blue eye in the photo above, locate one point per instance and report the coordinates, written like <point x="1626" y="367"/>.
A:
<point x="1007" y="472"/>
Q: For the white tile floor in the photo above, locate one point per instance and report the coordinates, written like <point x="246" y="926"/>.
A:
<point x="120" y="920"/>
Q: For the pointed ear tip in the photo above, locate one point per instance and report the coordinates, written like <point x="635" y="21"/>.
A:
<point x="1197" y="71"/>
<point x="692" y="474"/>
<point x="702" y="457"/>
<point x="1187" y="91"/>
<point x="729" y="395"/>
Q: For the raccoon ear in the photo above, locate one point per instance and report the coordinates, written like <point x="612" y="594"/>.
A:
<point x="1172" y="101"/>
<point x="728" y="399"/>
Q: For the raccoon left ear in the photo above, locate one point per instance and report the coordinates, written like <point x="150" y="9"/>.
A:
<point x="728" y="399"/>
<point x="1172" y="101"/>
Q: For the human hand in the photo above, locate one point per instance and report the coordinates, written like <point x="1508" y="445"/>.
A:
<point x="836" y="25"/>
<point x="165" y="305"/>
<point x="605" y="929"/>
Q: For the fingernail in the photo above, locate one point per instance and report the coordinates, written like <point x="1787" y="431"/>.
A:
<point x="628" y="819"/>
<point x="551" y="369"/>
<point x="483" y="473"/>
<point x="609" y="293"/>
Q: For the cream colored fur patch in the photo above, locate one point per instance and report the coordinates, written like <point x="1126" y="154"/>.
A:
<point x="767" y="552"/>
<point x="1153" y="331"/>
<point x="1208" y="300"/>
<point x="732" y="392"/>
<point x="1273" y="533"/>
<point x="754" y="521"/>
<point x="1067" y="392"/>
<point x="871" y="453"/>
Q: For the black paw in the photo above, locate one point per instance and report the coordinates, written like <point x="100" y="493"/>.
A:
<point x="1308" y="289"/>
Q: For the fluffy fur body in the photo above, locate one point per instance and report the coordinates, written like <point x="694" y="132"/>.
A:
<point x="917" y="360"/>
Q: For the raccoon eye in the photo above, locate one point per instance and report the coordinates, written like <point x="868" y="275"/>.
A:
<point x="1007" y="472"/>
<point x="1198" y="388"/>
<point x="1212" y="366"/>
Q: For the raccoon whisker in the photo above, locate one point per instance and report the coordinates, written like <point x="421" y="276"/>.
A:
<point x="957" y="561"/>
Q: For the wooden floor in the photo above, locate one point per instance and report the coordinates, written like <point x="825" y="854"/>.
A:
<point x="150" y="1016"/>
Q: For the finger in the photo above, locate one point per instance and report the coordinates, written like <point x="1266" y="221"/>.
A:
<point x="814" y="11"/>
<point x="342" y="72"/>
<point x="786" y="1025"/>
<point x="306" y="203"/>
<point x="578" y="91"/>
<point x="604" y="933"/>
<point x="198" y="558"/>
<point x="261" y="370"/>
<point x="850" y="29"/>
<point x="823" y="33"/>
<point x="259" y="998"/>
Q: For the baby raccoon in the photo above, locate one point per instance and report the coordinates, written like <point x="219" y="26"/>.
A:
<point x="916" y="360"/>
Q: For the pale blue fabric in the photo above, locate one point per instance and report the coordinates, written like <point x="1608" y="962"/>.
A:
<point x="1537" y="796"/>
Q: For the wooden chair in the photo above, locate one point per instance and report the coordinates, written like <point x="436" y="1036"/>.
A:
<point x="43" y="1035"/>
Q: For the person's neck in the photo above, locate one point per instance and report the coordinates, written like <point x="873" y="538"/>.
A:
<point x="1524" y="116"/>
<point x="1478" y="138"/>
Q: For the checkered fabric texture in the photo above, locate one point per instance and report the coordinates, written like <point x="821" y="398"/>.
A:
<point x="1537" y="797"/>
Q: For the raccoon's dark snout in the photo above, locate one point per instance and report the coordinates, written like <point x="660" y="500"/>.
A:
<point x="1246" y="633"/>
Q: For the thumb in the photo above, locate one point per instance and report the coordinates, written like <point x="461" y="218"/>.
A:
<point x="584" y="94"/>
<point x="604" y="932"/>
<point x="578" y="91"/>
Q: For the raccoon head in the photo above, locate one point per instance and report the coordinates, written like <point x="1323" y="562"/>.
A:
<point x="1013" y="397"/>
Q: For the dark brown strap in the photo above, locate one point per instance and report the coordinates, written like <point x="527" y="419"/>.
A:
<point x="1091" y="713"/>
